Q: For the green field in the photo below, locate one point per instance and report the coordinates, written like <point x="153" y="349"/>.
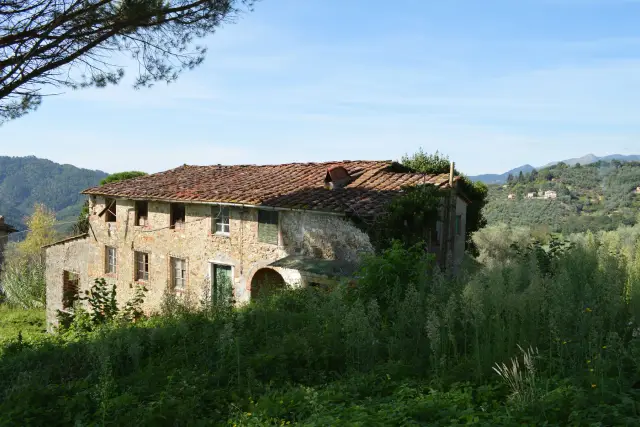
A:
<point x="29" y="323"/>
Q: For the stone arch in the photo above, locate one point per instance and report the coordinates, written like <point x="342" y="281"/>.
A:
<point x="264" y="281"/>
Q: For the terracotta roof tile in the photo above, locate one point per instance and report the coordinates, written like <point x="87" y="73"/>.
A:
<point x="294" y="185"/>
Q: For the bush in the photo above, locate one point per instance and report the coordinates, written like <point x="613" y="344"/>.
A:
<point x="408" y="345"/>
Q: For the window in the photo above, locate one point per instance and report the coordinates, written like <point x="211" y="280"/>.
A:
<point x="221" y="284"/>
<point x="220" y="216"/>
<point x="458" y="225"/>
<point x="110" y="260"/>
<point x="178" y="273"/>
<point x="142" y="266"/>
<point x="142" y="211"/>
<point x="177" y="215"/>
<point x="268" y="227"/>
<point x="110" y="214"/>
<point x="70" y="288"/>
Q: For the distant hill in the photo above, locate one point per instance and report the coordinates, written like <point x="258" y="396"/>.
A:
<point x="25" y="181"/>
<point x="592" y="158"/>
<point x="600" y="195"/>
<point x="501" y="178"/>
<point x="584" y="160"/>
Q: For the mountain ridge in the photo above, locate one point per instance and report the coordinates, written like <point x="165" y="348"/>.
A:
<point x="584" y="160"/>
<point x="27" y="180"/>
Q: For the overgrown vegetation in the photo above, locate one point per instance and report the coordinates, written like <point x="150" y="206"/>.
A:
<point x="513" y="342"/>
<point x="598" y="196"/>
<point x="476" y="192"/>
<point x="22" y="281"/>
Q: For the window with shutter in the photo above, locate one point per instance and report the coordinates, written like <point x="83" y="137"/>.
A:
<point x="142" y="266"/>
<point x="110" y="260"/>
<point x="268" y="227"/>
<point x="178" y="273"/>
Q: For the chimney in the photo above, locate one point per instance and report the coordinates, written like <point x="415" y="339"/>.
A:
<point x="337" y="177"/>
<point x="1" y="220"/>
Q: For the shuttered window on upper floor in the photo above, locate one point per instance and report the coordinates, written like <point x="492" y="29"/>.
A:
<point x="268" y="227"/>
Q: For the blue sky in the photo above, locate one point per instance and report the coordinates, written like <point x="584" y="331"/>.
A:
<point x="493" y="84"/>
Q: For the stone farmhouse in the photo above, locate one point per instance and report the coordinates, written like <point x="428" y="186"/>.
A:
<point x="5" y="230"/>
<point x="197" y="229"/>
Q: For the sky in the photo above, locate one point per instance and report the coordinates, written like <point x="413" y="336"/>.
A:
<point x="493" y="84"/>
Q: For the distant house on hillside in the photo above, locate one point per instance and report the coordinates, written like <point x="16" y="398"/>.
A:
<point x="550" y="194"/>
<point x="511" y="196"/>
<point x="531" y="195"/>
<point x="231" y="232"/>
<point x="5" y="230"/>
<point x="637" y="190"/>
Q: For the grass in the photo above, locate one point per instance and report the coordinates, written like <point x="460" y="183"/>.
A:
<point x="407" y="346"/>
<point x="30" y="323"/>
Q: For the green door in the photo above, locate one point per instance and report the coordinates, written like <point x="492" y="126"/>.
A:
<point x="222" y="284"/>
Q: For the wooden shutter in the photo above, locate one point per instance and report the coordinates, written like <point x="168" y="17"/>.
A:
<point x="268" y="227"/>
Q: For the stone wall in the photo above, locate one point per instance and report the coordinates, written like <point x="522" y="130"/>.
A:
<point x="301" y="233"/>
<point x="73" y="256"/>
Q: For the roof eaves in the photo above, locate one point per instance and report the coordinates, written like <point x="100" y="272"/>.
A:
<point x="68" y="239"/>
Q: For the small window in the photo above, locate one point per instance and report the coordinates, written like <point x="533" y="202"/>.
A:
<point x="70" y="288"/>
<point x="221" y="219"/>
<point x="142" y="266"/>
<point x="458" y="225"/>
<point x="268" y="227"/>
<point x="177" y="215"/>
<point x="142" y="211"/>
<point x="110" y="260"/>
<point x="178" y="273"/>
<point x="110" y="214"/>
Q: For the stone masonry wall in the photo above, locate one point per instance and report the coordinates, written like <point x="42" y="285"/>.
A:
<point x="312" y="234"/>
<point x="74" y="256"/>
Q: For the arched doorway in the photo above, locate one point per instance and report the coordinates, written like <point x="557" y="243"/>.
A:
<point x="265" y="281"/>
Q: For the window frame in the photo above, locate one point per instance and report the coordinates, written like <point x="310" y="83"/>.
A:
<point x="110" y="216"/>
<point x="107" y="260"/>
<point x="137" y="262"/>
<point x="173" y="265"/>
<point x="138" y="217"/>
<point x="458" y="225"/>
<point x="70" y="296"/>
<point x="277" y="224"/>
<point x="173" y="221"/>
<point x="221" y="220"/>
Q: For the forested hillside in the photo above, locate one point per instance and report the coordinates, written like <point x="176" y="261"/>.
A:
<point x="27" y="180"/>
<point x="598" y="196"/>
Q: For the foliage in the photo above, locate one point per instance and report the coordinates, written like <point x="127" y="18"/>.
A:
<point x="476" y="192"/>
<point x="121" y="176"/>
<point x="422" y="355"/>
<point x="598" y="196"/>
<point x="82" y="223"/>
<point x="410" y="218"/>
<point x="70" y="43"/>
<point x="29" y="324"/>
<point x="25" y="181"/>
<point x="23" y="277"/>
<point x="103" y="309"/>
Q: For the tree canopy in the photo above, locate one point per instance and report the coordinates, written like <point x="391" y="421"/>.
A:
<point x="73" y="43"/>
<point x="121" y="176"/>
<point x="476" y="192"/>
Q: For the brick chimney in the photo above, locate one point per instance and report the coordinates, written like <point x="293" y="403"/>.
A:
<point x="337" y="177"/>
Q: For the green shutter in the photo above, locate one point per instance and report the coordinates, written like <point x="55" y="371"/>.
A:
<point x="268" y="227"/>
